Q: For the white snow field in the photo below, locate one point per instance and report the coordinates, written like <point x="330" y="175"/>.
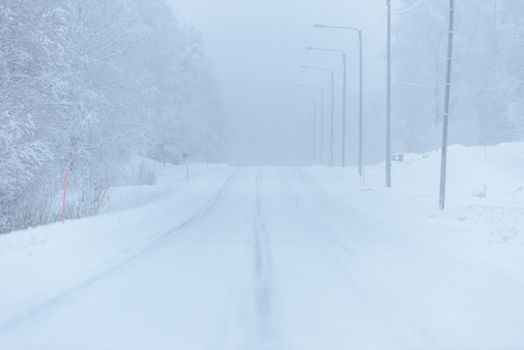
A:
<point x="281" y="258"/>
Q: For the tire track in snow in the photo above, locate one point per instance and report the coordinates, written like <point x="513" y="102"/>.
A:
<point x="344" y="257"/>
<point x="340" y="251"/>
<point x="253" y="323"/>
<point x="262" y="270"/>
<point x="120" y="262"/>
<point x="379" y="226"/>
<point x="381" y="231"/>
<point x="391" y="290"/>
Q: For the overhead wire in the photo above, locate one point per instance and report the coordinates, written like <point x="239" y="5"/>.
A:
<point x="409" y="8"/>
<point x="406" y="83"/>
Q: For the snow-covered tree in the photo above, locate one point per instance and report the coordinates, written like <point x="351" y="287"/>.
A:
<point x="510" y="70"/>
<point x="481" y="54"/>
<point x="86" y="84"/>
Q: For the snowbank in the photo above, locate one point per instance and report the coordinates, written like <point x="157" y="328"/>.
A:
<point x="484" y="215"/>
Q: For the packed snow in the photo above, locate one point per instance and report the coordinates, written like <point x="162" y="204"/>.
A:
<point x="280" y="258"/>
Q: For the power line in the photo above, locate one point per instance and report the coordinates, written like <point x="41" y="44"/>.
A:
<point x="406" y="83"/>
<point x="409" y="8"/>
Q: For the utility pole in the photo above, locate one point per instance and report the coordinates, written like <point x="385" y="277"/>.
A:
<point x="443" y="165"/>
<point x="388" y="107"/>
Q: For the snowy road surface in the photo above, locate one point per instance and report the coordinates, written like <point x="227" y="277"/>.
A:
<point x="251" y="258"/>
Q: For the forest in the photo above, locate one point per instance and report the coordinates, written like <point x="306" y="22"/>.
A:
<point x="85" y="85"/>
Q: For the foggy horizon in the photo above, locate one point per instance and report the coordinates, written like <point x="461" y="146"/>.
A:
<point x="256" y="55"/>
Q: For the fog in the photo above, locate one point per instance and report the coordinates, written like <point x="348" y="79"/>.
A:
<point x="90" y="87"/>
<point x="256" y="48"/>
<point x="197" y="174"/>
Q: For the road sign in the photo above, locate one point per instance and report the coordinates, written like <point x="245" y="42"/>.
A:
<point x="397" y="157"/>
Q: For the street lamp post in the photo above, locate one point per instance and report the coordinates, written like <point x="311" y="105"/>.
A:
<point x="332" y="117"/>
<point x="313" y="129"/>
<point x="388" y="112"/>
<point x="361" y="91"/>
<point x="344" y="95"/>
<point x="322" y="115"/>
<point x="306" y="134"/>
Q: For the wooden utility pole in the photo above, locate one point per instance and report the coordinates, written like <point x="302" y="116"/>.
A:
<point x="443" y="166"/>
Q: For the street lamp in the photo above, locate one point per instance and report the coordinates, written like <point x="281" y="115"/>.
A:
<point x="322" y="115"/>
<point x="344" y="95"/>
<point x="303" y="125"/>
<point x="361" y="90"/>
<point x="332" y="118"/>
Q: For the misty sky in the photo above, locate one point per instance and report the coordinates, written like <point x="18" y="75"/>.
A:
<point x="256" y="47"/>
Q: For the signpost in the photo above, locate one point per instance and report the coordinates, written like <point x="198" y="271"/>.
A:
<point x="184" y="156"/>
<point x="397" y="157"/>
<point x="64" y="197"/>
<point x="160" y="150"/>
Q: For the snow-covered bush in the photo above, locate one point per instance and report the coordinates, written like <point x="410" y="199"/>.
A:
<point x="145" y="175"/>
<point x="480" y="193"/>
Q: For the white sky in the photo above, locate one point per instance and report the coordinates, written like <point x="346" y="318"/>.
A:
<point x="256" y="47"/>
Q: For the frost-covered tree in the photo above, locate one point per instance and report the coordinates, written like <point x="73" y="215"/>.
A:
<point x="86" y="84"/>
<point x="510" y="70"/>
<point x="419" y="66"/>
<point x="477" y="107"/>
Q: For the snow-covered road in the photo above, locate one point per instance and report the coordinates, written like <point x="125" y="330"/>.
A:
<point x="252" y="258"/>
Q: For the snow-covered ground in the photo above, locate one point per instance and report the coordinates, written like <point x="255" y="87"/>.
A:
<point x="281" y="258"/>
<point x="484" y="213"/>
